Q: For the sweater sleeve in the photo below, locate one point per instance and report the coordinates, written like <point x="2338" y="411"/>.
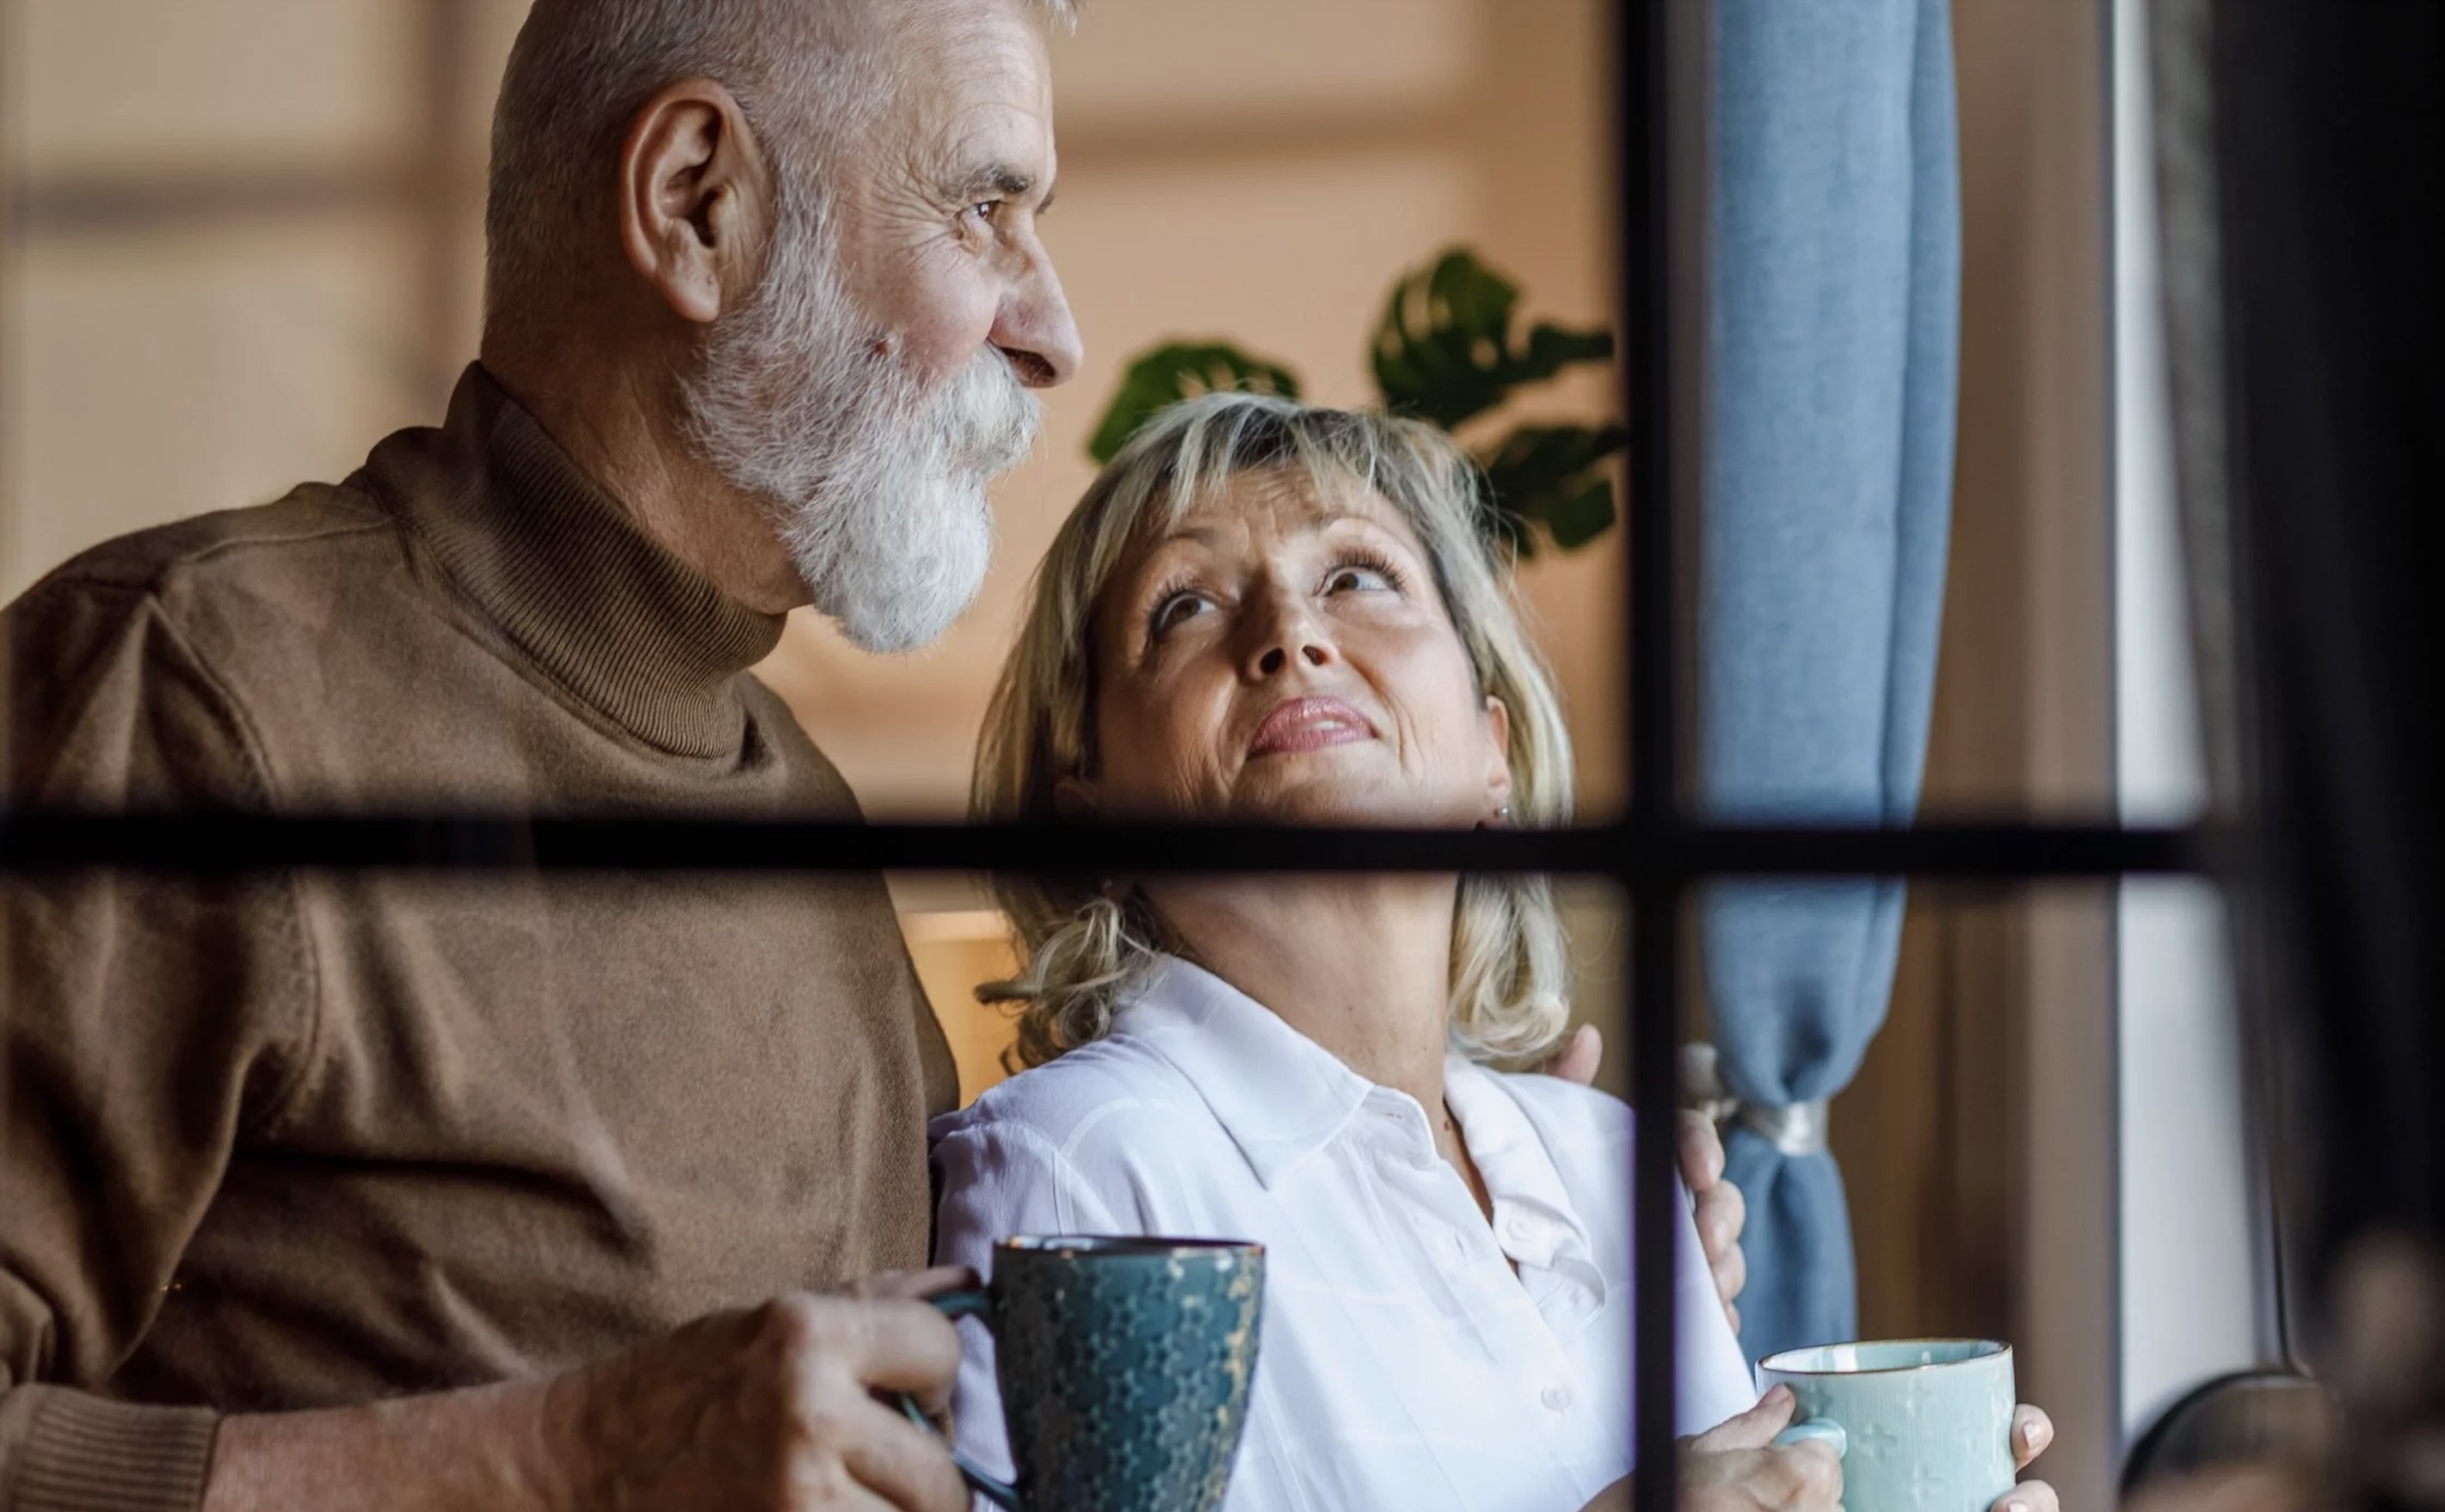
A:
<point x="147" y="1023"/>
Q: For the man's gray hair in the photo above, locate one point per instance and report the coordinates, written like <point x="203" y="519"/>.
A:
<point x="808" y="74"/>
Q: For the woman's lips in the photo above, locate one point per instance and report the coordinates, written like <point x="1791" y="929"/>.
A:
<point x="1309" y="724"/>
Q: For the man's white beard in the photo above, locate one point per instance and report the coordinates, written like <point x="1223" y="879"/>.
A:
<point x="878" y="488"/>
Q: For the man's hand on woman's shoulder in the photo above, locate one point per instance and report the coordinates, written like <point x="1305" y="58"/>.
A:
<point x="1721" y="1211"/>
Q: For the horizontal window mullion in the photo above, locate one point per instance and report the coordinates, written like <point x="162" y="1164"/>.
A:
<point x="1631" y="852"/>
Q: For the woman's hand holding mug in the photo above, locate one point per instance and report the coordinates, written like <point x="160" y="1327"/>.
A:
<point x="1737" y="1466"/>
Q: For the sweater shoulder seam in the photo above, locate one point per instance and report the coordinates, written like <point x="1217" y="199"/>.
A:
<point x="86" y="573"/>
<point x="231" y="710"/>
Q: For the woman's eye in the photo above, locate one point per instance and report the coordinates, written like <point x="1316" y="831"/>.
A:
<point x="983" y="209"/>
<point x="1358" y="580"/>
<point x="1175" y="609"/>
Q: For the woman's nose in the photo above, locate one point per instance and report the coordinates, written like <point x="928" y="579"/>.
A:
<point x="1288" y="633"/>
<point x="1277" y="657"/>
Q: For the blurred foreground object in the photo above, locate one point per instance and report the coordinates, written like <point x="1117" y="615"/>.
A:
<point x="2301" y="167"/>
<point x="2250" y="1490"/>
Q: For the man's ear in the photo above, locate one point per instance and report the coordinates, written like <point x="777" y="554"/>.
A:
<point x="1498" y="775"/>
<point x="696" y="197"/>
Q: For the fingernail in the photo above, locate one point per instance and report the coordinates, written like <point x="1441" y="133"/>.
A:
<point x="2016" y="1504"/>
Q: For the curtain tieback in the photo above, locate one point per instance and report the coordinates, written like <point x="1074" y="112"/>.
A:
<point x="1794" y="1128"/>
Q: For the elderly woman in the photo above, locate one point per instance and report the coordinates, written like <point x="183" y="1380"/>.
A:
<point x="1267" y="612"/>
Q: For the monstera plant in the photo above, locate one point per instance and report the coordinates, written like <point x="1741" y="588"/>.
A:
<point x="1447" y="352"/>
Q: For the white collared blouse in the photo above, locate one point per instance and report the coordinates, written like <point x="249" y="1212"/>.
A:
<point x="1403" y="1362"/>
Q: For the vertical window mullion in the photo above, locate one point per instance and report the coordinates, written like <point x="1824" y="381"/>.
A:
<point x="1645" y="297"/>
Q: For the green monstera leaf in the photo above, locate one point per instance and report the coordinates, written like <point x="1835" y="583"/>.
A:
<point x="1182" y="370"/>
<point x="1552" y="475"/>
<point x="1446" y="350"/>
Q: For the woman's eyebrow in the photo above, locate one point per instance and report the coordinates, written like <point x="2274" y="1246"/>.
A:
<point x="1214" y="537"/>
<point x="1313" y="525"/>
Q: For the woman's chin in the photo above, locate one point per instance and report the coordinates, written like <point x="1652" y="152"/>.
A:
<point x="1340" y="806"/>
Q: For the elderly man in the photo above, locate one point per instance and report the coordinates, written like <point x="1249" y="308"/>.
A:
<point x="372" y="1191"/>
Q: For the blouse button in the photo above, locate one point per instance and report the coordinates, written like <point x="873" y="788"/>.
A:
<point x="1556" y="1399"/>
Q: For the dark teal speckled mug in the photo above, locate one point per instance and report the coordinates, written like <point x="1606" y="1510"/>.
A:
<point x="1125" y="1366"/>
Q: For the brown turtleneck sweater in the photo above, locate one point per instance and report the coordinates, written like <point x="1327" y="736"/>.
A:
<point x="327" y="1138"/>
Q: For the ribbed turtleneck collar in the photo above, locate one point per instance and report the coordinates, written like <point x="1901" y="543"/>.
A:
<point x="570" y="578"/>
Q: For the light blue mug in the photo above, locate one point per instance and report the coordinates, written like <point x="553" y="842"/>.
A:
<point x="1921" y="1425"/>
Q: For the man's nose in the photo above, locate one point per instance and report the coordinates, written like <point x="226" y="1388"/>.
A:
<point x="1035" y="330"/>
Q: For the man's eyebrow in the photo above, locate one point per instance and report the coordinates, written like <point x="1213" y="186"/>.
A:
<point x="999" y="179"/>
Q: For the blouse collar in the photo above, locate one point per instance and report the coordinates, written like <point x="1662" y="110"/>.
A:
<point x="1278" y="1094"/>
<point x="1281" y="1097"/>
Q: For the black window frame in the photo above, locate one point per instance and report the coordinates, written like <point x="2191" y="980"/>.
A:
<point x="1658" y="854"/>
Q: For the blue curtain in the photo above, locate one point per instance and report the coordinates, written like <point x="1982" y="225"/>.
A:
<point x="1833" y="348"/>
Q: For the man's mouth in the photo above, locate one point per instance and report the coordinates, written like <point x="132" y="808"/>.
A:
<point x="1309" y="724"/>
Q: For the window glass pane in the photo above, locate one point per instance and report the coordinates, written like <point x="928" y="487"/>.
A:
<point x="1259" y="177"/>
<point x="961" y="942"/>
<point x="1147" y="253"/>
<point x="1284" y="241"/>
<point x="1182" y="218"/>
<point x="1904" y="601"/>
<point x="1976" y="1133"/>
<point x="2196" y="1300"/>
<point x="2196" y="1296"/>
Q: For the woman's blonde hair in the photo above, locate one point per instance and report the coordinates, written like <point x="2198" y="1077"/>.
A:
<point x="1085" y="945"/>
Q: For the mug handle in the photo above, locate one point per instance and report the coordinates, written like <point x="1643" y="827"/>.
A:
<point x="957" y="1305"/>
<point x="1818" y="1430"/>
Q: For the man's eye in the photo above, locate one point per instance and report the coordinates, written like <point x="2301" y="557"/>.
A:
<point x="983" y="209"/>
